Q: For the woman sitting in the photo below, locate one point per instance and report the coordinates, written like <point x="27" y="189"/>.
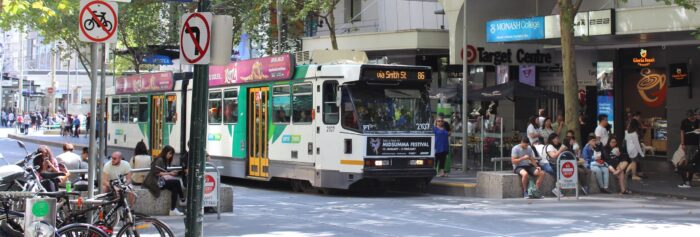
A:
<point x="160" y="178"/>
<point x="140" y="160"/>
<point x="617" y="163"/>
<point x="594" y="161"/>
<point x="48" y="164"/>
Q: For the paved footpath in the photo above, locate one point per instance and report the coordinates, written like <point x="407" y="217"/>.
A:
<point x="273" y="212"/>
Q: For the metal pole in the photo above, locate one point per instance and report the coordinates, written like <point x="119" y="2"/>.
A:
<point x="198" y="133"/>
<point x="20" y="104"/>
<point x="465" y="86"/>
<point x="279" y="25"/>
<point x="68" y="99"/>
<point x="93" y="106"/>
<point x="52" y="98"/>
<point x="101" y="113"/>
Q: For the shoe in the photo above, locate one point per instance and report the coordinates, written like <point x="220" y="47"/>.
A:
<point x="684" y="186"/>
<point x="604" y="190"/>
<point x="585" y="190"/>
<point x="175" y="212"/>
<point x="636" y="178"/>
<point x="557" y="193"/>
<point x="525" y="196"/>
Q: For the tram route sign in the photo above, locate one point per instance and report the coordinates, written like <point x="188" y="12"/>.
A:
<point x="399" y="146"/>
<point x="98" y="21"/>
<point x="372" y="73"/>
<point x="195" y="38"/>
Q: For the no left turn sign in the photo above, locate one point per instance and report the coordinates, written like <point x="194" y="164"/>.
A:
<point x="98" y="21"/>
<point x="195" y="38"/>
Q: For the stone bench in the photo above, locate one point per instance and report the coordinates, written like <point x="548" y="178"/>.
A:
<point x="147" y="204"/>
<point x="506" y="184"/>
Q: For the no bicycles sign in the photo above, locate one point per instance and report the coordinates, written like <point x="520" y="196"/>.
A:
<point x="98" y="21"/>
<point x="195" y="38"/>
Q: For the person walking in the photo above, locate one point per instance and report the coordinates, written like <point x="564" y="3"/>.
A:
<point x="160" y="178"/>
<point x="4" y="118"/>
<point x="76" y="126"/>
<point x="634" y="148"/>
<point x="11" y="119"/>
<point x="27" y="123"/>
<point x="442" y="145"/>
<point x="690" y="139"/>
<point x="87" y="125"/>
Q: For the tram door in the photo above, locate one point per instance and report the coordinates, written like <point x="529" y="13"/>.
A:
<point x="258" y="161"/>
<point x="157" y="105"/>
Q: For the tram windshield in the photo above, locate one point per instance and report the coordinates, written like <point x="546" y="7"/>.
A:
<point x="373" y="108"/>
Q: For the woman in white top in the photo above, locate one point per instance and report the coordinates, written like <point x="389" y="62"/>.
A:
<point x="634" y="149"/>
<point x="547" y="129"/>
<point x="533" y="131"/>
<point x="141" y="159"/>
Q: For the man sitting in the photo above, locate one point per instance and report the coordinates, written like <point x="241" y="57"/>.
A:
<point x="524" y="163"/>
<point x="113" y="169"/>
<point x="71" y="161"/>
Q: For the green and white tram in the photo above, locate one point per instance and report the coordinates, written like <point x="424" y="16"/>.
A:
<point x="327" y="126"/>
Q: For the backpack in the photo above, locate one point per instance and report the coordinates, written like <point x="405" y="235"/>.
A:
<point x="532" y="190"/>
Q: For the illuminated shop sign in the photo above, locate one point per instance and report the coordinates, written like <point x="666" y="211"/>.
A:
<point x="644" y="60"/>
<point x="497" y="57"/>
<point x="515" y="29"/>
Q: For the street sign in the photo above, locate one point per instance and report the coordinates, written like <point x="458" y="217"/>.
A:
<point x="211" y="191"/>
<point x="98" y="21"/>
<point x="50" y="90"/>
<point x="195" y="38"/>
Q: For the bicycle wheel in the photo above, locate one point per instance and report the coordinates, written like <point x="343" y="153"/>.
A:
<point x="145" y="227"/>
<point x="81" y="230"/>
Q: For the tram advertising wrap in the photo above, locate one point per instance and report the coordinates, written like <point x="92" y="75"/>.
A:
<point x="398" y="146"/>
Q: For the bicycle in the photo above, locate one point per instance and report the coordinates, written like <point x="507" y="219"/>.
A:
<point x="89" y="24"/>
<point x="10" y="222"/>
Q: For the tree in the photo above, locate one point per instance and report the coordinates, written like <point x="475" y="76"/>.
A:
<point x="142" y="25"/>
<point x="568" y="10"/>
<point x="324" y="10"/>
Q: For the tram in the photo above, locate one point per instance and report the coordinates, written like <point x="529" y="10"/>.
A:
<point x="327" y="126"/>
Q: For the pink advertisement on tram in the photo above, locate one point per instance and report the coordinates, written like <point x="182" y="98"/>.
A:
<point x="279" y="67"/>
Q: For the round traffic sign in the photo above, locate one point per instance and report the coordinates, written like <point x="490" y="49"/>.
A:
<point x="567" y="169"/>
<point x="209" y="184"/>
<point x="50" y="90"/>
<point x="98" y="21"/>
<point x="194" y="44"/>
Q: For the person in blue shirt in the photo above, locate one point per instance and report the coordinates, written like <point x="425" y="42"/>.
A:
<point x="442" y="145"/>
<point x="593" y="161"/>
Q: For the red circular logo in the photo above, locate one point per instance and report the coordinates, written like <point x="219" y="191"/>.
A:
<point x="471" y="54"/>
<point x="209" y="184"/>
<point x="567" y="169"/>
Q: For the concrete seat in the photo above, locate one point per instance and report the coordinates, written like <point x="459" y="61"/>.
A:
<point x="147" y="204"/>
<point x="506" y="184"/>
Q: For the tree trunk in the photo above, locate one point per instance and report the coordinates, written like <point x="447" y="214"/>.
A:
<point x="331" y="27"/>
<point x="568" y="53"/>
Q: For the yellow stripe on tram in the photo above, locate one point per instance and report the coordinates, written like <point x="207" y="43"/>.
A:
<point x="352" y="162"/>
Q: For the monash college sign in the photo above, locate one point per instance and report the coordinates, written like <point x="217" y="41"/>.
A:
<point x="515" y="29"/>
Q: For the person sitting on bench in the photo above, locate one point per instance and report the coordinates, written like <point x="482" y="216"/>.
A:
<point x="524" y="163"/>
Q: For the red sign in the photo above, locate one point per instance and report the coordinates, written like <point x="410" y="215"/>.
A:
<point x="144" y="83"/>
<point x="98" y="21"/>
<point x="271" y="68"/>
<point x="568" y="169"/>
<point x="209" y="184"/>
<point x="50" y="90"/>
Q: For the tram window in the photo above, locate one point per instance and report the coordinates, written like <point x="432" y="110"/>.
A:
<point x="302" y="103"/>
<point x="170" y="108"/>
<point x="133" y="109"/>
<point x="116" y="109"/>
<point x="143" y="109"/>
<point x="350" y="118"/>
<point x="281" y="104"/>
<point x="230" y="106"/>
<point x="124" y="105"/>
<point x="330" y="108"/>
<point x="214" y="107"/>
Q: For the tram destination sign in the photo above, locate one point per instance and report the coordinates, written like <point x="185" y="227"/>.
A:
<point x="398" y="146"/>
<point x="379" y="73"/>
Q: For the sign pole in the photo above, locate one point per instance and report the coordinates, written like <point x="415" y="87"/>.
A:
<point x="198" y="133"/>
<point x="465" y="89"/>
<point x="101" y="114"/>
<point x="92" y="162"/>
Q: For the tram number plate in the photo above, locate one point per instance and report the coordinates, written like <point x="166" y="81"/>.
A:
<point x="330" y="128"/>
<point x="398" y="146"/>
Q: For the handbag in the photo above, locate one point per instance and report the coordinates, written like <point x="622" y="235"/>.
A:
<point x="161" y="182"/>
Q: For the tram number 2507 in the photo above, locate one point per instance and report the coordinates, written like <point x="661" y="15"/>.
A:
<point x="330" y="128"/>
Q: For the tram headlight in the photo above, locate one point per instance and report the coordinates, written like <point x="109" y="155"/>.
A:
<point x="40" y="229"/>
<point x="382" y="163"/>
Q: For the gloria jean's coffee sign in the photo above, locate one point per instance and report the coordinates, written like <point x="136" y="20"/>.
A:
<point x="398" y="146"/>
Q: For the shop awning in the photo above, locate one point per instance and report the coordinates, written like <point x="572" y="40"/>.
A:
<point x="511" y="90"/>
